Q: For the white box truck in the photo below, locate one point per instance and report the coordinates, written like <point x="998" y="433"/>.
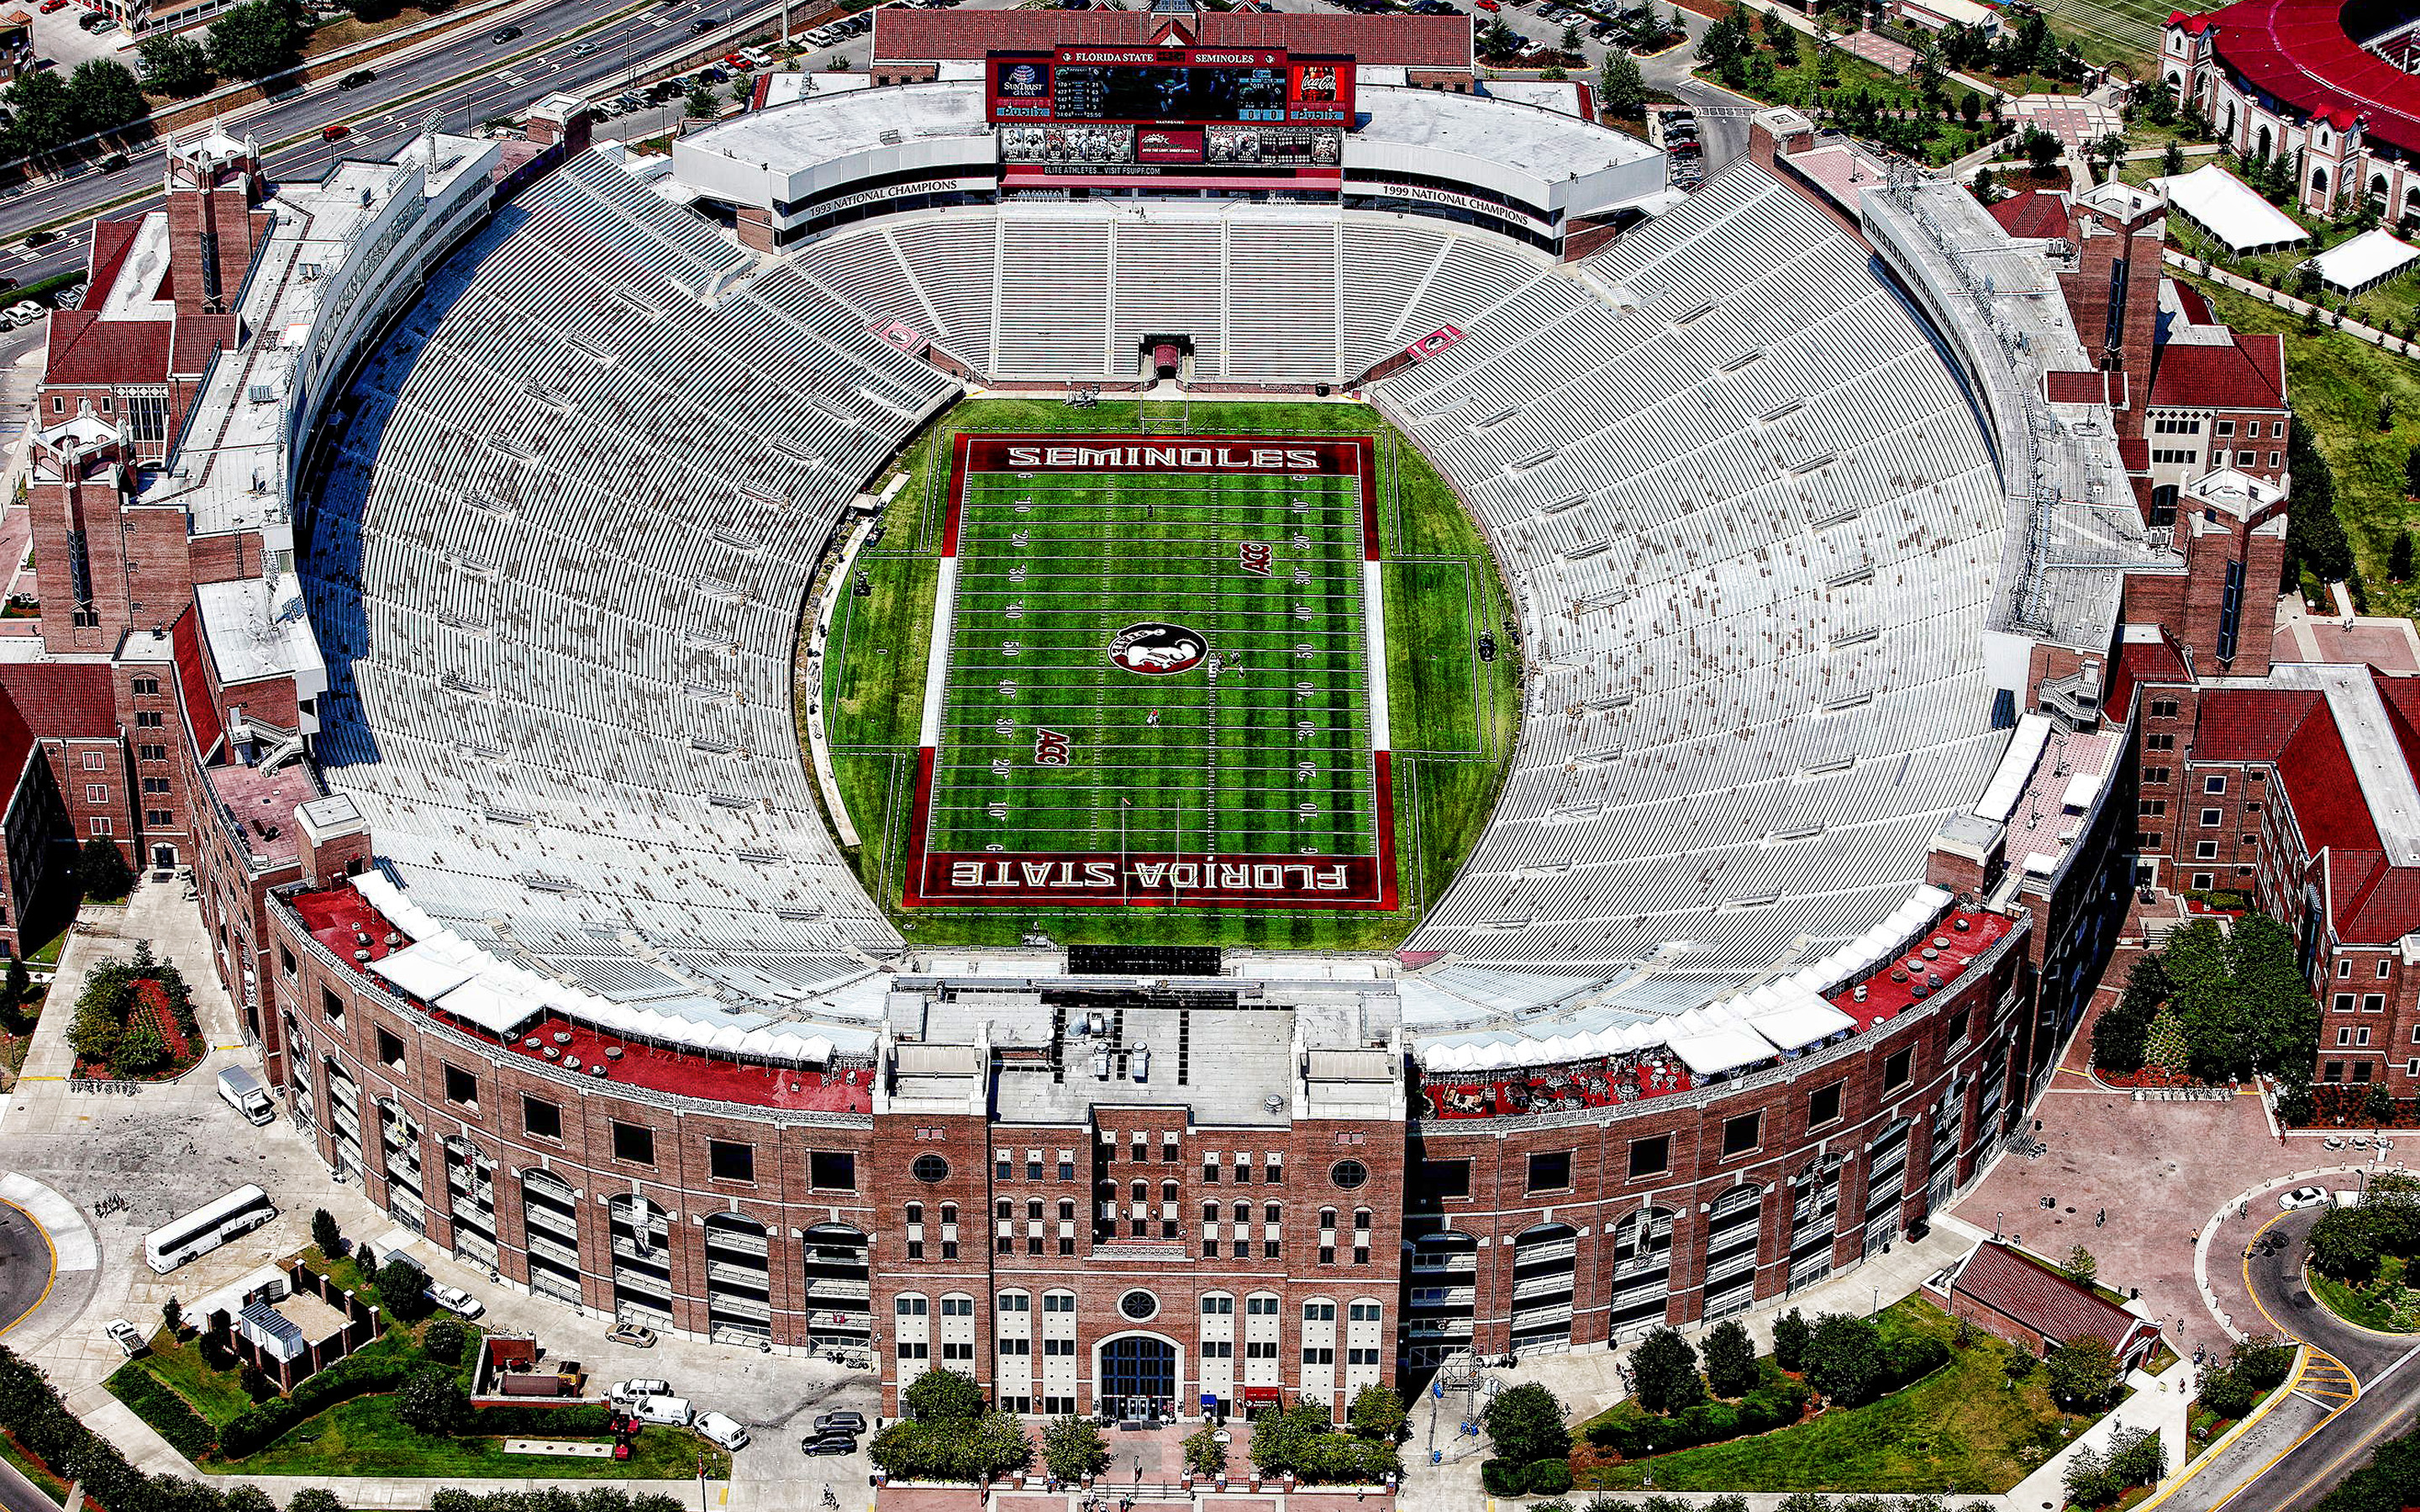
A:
<point x="241" y="1090"/>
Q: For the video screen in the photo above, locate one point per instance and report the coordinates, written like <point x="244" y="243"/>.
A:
<point x="1182" y="93"/>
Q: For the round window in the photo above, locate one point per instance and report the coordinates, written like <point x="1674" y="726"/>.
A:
<point x="1348" y="1174"/>
<point x="1140" y="1305"/>
<point x="930" y="1169"/>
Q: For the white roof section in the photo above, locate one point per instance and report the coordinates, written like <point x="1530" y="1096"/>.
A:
<point x="2016" y="767"/>
<point x="430" y="969"/>
<point x="2364" y="260"/>
<point x="2231" y="210"/>
<point x="258" y="628"/>
<point x="2386" y="782"/>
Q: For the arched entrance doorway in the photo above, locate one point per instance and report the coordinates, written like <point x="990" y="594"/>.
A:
<point x="1138" y="1377"/>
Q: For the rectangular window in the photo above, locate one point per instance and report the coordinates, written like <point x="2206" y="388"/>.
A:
<point x="1824" y="1105"/>
<point x="1651" y="1157"/>
<point x="1742" y="1134"/>
<point x="1550" y="1170"/>
<point x="2205" y="850"/>
<point x="332" y="1008"/>
<point x="2163" y="708"/>
<point x="2213" y="784"/>
<point x="1444" y="1178"/>
<point x="2344" y="1036"/>
<point x="158" y="818"/>
<point x="390" y="1050"/>
<point x="2160" y="742"/>
<point x="149" y="719"/>
<point x="2209" y="818"/>
<point x="96" y="792"/>
<point x="1899" y="1068"/>
<point x="634" y="1143"/>
<point x="2151" y="808"/>
<point x="729" y="1161"/>
<point x="2155" y="777"/>
<point x="461" y="1087"/>
<point x="2373" y="1002"/>
<point x="833" y="1170"/>
<point x="540" y="1119"/>
<point x="2343" y="1002"/>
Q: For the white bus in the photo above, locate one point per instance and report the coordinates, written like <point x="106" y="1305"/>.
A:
<point x="199" y="1232"/>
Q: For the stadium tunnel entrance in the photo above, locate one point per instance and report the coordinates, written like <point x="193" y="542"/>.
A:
<point x="1167" y="358"/>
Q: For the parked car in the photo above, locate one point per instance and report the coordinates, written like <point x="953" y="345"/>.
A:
<point x="827" y="1444"/>
<point x="86" y="20"/>
<point x="840" y="1423"/>
<point x="114" y="161"/>
<point x="454" y="1299"/>
<point x="51" y="6"/>
<point x="106" y="23"/>
<point x="718" y="1427"/>
<point x="503" y="34"/>
<point x="358" y="78"/>
<point x="636" y="1335"/>
<point x="126" y="1337"/>
<point x="2305" y="1197"/>
<point x="23" y="313"/>
<point x="631" y="1393"/>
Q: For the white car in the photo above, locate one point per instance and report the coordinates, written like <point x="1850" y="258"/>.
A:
<point x="723" y="1430"/>
<point x="126" y="1337"/>
<point x="631" y="1393"/>
<point x="454" y="1299"/>
<point x="2306" y="1197"/>
<point x="25" y="311"/>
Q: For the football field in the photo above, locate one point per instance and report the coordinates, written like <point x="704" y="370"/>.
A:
<point x="1156" y="677"/>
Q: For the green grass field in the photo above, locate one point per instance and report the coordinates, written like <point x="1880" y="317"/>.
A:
<point x="1271" y="759"/>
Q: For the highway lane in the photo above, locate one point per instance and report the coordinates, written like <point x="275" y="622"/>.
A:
<point x="483" y="80"/>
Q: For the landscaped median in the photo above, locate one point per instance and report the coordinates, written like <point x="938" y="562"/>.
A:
<point x="397" y="1406"/>
<point x="2361" y="1257"/>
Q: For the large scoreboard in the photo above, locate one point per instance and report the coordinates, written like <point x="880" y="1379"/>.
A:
<point x="1151" y="110"/>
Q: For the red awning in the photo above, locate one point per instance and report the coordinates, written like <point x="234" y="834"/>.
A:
<point x="1256" y="1396"/>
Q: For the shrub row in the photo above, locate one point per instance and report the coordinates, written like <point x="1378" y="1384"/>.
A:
<point x="187" y="1431"/>
<point x="358" y="1376"/>
<point x="31" y="1409"/>
<point x="1776" y="1403"/>
<point x="529" y="1420"/>
<point x="1507" y="1477"/>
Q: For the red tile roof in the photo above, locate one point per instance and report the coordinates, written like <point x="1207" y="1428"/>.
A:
<point x="16" y="749"/>
<point x="2245" y="374"/>
<point x="198" y="336"/>
<point x="2196" y="309"/>
<point x="2144" y="661"/>
<point x="193" y="684"/>
<point x="2252" y="724"/>
<point x="2042" y="1299"/>
<point x="85" y="348"/>
<point x="2036" y="215"/>
<point x="110" y="241"/>
<point x="902" y="35"/>
<point x="63" y="701"/>
<point x="2089" y="386"/>
<point x="2299" y="51"/>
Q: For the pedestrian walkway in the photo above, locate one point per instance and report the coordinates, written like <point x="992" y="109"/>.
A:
<point x="2384" y="341"/>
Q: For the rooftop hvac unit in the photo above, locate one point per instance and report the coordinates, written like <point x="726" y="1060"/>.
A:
<point x="261" y="393"/>
<point x="310" y="272"/>
<point x="1099" y="1024"/>
<point x="1138" y="1063"/>
<point x="1100" y="1065"/>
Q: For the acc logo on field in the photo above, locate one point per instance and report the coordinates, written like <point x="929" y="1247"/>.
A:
<point x="1155" y="649"/>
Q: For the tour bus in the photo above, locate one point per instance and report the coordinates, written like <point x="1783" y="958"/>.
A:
<point x="197" y="1233"/>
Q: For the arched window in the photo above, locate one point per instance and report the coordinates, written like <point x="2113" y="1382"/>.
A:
<point x="1067" y="1210"/>
<point x="1361" y="1219"/>
<point x="1143" y="1191"/>
<point x="957" y="1305"/>
<point x="915" y="1212"/>
<point x="1004" y="1208"/>
<point x="913" y="1305"/>
<point x="1327" y="1217"/>
<point x="1168" y="1192"/>
<point x="1209" y="1213"/>
<point x="1268" y="1212"/>
<point x="1016" y="1302"/>
<point x="948" y="1212"/>
<point x="1058" y="1302"/>
<point x="2318" y="180"/>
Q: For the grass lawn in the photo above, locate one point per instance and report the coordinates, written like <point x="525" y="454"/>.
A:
<point x="2394" y="305"/>
<point x="33" y="1469"/>
<point x="1964" y="1429"/>
<point x="1452" y="717"/>
<point x="2335" y="382"/>
<point x="215" y="1393"/>
<point x="2386" y="1305"/>
<point x="362" y="1438"/>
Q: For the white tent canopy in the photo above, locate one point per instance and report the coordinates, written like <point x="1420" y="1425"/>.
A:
<point x="2229" y="209"/>
<point x="2360" y="265"/>
<point x="433" y="968"/>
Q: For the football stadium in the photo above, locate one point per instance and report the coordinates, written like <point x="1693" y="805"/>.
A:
<point x="1150" y="657"/>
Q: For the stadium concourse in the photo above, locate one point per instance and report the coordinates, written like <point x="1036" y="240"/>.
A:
<point x="468" y="614"/>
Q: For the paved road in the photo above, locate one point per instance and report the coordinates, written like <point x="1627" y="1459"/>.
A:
<point x="2313" y="1439"/>
<point x="25" y="1265"/>
<point x="481" y="85"/>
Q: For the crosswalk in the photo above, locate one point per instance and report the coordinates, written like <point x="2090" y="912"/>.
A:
<point x="2324" y="1381"/>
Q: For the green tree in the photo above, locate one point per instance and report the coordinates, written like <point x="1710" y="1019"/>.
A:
<point x="2411" y="472"/>
<point x="101" y="869"/>
<point x="2398" y="557"/>
<point x="704" y="102"/>
<point x="172" y="1316"/>
<point x="1730" y="1360"/>
<point x="1568" y="44"/>
<point x="2119" y="1034"/>
<point x="444" y="1340"/>
<point x="2088" y="1479"/>
<point x="1622" y="91"/>
<point x="1783" y="39"/>
<point x="1789" y="1333"/>
<point x="174" y="65"/>
<point x="2080" y="1266"/>
<point x="1721" y="45"/>
<point x="325" y="1234"/>
<point x="104" y="95"/>
<point x="259" y="37"/>
<point x="1072" y="1448"/>
<point x="1664" y="1369"/>
<point x="141" y="1049"/>
<point x="2283" y="1016"/>
<point x="41" y="119"/>
<point x="943" y="1396"/>
<point x="1377" y="1414"/>
<point x="1499" y="40"/>
<point x="1525" y="1422"/>
<point x="2041" y="148"/>
<point x="433" y="1402"/>
<point x="1845" y="1359"/>
<point x="2344" y="1245"/>
<point x="2378" y="1104"/>
<point x="314" y="1499"/>
<point x="998" y="1445"/>
<point x="403" y="1287"/>
<point x="2172" y="160"/>
<point x="2082" y="1372"/>
<point x="1204" y="1456"/>
<point x="1987" y="185"/>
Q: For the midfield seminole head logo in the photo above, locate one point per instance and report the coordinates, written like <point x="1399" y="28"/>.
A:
<point x="1156" y="649"/>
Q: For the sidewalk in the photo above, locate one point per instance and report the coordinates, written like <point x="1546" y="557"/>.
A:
<point x="2283" y="300"/>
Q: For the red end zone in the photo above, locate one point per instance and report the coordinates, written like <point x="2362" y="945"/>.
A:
<point x="1154" y="879"/>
